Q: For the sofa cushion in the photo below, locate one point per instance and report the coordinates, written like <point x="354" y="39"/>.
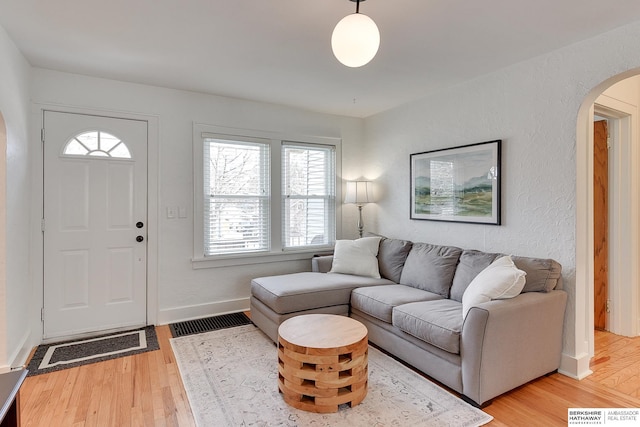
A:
<point x="430" y="267"/>
<point x="288" y="293"/>
<point x="543" y="275"/>
<point x="471" y="263"/>
<point x="438" y="323"/>
<point x="500" y="280"/>
<point x="357" y="257"/>
<point x="392" y="256"/>
<point x="378" y="301"/>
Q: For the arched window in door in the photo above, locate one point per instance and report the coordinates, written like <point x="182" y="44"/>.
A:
<point x="97" y="144"/>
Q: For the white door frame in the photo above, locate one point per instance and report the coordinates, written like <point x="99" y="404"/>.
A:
<point x="38" y="196"/>
<point x="623" y="228"/>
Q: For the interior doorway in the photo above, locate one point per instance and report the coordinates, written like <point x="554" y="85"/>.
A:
<point x="625" y="225"/>
<point x="615" y="187"/>
<point x="600" y="224"/>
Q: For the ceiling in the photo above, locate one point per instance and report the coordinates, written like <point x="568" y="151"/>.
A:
<point x="279" y="51"/>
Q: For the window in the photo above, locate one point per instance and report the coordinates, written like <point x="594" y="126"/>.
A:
<point x="96" y="144"/>
<point x="236" y="183"/>
<point x="259" y="195"/>
<point x="308" y="195"/>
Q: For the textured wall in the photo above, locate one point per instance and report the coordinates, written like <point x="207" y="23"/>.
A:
<point x="533" y="107"/>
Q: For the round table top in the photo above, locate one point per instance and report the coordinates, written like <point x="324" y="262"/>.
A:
<point x="322" y="331"/>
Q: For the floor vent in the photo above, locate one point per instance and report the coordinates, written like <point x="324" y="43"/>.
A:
<point x="198" y="326"/>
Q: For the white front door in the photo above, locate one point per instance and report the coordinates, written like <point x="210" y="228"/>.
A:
<point x="95" y="222"/>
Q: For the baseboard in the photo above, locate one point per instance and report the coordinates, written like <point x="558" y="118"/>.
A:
<point x="19" y="357"/>
<point x="181" y="314"/>
<point x="576" y="367"/>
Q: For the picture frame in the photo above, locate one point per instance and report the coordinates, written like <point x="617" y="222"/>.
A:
<point x="459" y="184"/>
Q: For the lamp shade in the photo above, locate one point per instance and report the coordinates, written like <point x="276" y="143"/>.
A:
<point x="355" y="40"/>
<point x="359" y="192"/>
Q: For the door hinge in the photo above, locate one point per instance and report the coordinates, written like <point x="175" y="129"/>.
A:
<point x="42" y="225"/>
<point x="42" y="135"/>
<point x="608" y="142"/>
<point x="608" y="306"/>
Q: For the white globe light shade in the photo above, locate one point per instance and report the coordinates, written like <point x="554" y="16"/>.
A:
<point x="355" y="40"/>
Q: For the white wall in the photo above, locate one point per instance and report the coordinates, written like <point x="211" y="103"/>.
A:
<point x="15" y="292"/>
<point x="533" y="107"/>
<point x="182" y="291"/>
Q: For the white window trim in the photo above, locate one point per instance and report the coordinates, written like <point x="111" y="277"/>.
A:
<point x="276" y="253"/>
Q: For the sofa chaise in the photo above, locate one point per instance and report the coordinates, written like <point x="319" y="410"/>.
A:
<point x="480" y="323"/>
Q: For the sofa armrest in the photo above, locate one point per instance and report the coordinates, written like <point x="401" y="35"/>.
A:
<point x="507" y="343"/>
<point x="321" y="264"/>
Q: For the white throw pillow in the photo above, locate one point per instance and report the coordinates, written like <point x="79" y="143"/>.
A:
<point x="357" y="257"/>
<point x="500" y="280"/>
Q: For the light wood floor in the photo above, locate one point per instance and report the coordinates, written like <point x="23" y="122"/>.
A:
<point x="146" y="390"/>
<point x="615" y="383"/>
<point x="140" y="390"/>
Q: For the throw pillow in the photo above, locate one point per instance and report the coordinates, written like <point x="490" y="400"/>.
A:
<point x="430" y="268"/>
<point x="471" y="263"/>
<point x="391" y="258"/>
<point x="357" y="257"/>
<point x="500" y="280"/>
<point x="543" y="275"/>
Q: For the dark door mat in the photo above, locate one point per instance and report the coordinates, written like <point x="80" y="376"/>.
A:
<point x="67" y="354"/>
<point x="199" y="326"/>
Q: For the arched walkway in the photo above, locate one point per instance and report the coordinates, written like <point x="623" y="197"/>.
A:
<point x="584" y="293"/>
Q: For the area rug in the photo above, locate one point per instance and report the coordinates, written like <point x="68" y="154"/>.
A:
<point x="67" y="354"/>
<point x="231" y="375"/>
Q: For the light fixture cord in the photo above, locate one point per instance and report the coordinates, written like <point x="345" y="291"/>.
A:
<point x="357" y="6"/>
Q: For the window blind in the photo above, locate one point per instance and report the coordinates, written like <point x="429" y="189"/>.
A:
<point x="237" y="196"/>
<point x="308" y="195"/>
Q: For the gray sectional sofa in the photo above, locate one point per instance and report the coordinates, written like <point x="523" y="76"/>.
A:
<point x="414" y="311"/>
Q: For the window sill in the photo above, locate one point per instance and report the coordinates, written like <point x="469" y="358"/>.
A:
<point x="248" y="259"/>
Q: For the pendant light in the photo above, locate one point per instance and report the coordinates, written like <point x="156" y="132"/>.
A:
<point x="355" y="39"/>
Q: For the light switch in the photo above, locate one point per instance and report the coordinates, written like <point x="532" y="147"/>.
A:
<point x="182" y="212"/>
<point x="171" y="212"/>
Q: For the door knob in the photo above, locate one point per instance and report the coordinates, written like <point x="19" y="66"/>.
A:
<point x="139" y="224"/>
<point x="139" y="239"/>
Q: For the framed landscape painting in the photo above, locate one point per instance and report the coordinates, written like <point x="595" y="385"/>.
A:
<point x="460" y="184"/>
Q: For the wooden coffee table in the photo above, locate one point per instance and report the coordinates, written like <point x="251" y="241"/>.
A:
<point x="322" y="362"/>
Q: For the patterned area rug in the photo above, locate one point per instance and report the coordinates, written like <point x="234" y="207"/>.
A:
<point x="231" y="378"/>
<point x="67" y="354"/>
